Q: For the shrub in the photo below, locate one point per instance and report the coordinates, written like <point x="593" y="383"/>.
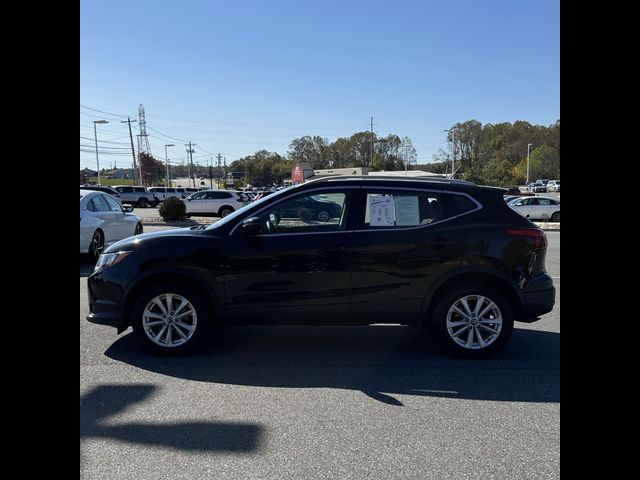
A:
<point x="173" y="209"/>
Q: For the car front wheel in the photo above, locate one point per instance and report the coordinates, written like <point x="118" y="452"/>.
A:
<point x="169" y="318"/>
<point x="97" y="245"/>
<point x="324" y="216"/>
<point x="475" y="320"/>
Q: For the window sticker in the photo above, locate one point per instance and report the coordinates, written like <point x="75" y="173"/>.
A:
<point x="407" y="211"/>
<point x="382" y="208"/>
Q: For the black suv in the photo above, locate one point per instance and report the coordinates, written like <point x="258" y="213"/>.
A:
<point x="441" y="253"/>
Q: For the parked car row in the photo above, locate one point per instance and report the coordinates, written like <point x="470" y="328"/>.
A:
<point x="544" y="186"/>
<point x="143" y="197"/>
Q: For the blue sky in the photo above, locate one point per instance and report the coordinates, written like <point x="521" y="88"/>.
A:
<point x="238" y="76"/>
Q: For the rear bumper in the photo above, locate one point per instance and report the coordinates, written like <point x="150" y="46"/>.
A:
<point x="537" y="303"/>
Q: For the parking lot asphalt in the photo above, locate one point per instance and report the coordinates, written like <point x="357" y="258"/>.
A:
<point x="321" y="402"/>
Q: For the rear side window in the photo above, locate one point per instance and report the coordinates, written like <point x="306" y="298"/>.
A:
<point x="98" y="204"/>
<point x="125" y="189"/>
<point x="398" y="209"/>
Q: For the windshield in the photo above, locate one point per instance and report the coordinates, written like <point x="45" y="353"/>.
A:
<point x="242" y="210"/>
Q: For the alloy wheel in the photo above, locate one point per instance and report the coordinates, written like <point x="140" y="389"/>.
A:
<point x="169" y="320"/>
<point x="474" y="322"/>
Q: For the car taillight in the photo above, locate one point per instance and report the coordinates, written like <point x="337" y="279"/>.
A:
<point x="537" y="236"/>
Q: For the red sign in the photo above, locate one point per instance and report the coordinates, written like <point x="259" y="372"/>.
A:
<point x="297" y="173"/>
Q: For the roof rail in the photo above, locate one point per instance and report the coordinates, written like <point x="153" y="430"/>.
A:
<point x="334" y="178"/>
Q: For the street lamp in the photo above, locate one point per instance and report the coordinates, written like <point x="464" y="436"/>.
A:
<point x="453" y="150"/>
<point x="95" y="136"/>
<point x="529" y="145"/>
<point x="166" y="160"/>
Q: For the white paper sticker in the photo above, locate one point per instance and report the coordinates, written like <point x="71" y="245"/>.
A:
<point x="407" y="211"/>
<point x="382" y="211"/>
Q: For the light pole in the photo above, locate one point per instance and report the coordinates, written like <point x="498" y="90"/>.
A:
<point x="95" y="136"/>
<point x="166" y="160"/>
<point x="453" y="150"/>
<point x="528" y="155"/>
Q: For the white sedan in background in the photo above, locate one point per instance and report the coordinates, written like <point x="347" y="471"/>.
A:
<point x="104" y="221"/>
<point x="537" y="208"/>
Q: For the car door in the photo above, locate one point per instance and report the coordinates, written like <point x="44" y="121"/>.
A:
<point x="295" y="270"/>
<point x="523" y="206"/>
<point x="542" y="210"/>
<point x="196" y="202"/>
<point x="404" y="239"/>
<point x="121" y="227"/>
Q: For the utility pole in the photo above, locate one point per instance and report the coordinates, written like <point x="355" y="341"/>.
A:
<point x="190" y="152"/>
<point x="218" y="171"/>
<point x="133" y="152"/>
<point x="211" y="173"/>
<point x="371" y="159"/>
<point x="453" y="150"/>
<point x="224" y="173"/>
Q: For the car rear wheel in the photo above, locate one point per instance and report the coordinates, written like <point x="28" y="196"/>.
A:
<point x="224" y="211"/>
<point x="97" y="245"/>
<point x="475" y="320"/>
<point x="556" y="217"/>
<point x="169" y="318"/>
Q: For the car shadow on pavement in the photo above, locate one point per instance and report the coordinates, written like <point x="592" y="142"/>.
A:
<point x="106" y="401"/>
<point x="381" y="362"/>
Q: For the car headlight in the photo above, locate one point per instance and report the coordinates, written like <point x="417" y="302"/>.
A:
<point x="107" y="260"/>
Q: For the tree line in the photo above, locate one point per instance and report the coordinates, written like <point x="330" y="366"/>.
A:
<point x="490" y="154"/>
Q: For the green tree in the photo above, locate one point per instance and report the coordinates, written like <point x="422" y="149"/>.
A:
<point x="544" y="163"/>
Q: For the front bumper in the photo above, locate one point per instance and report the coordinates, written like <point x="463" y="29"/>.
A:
<point x="104" y="303"/>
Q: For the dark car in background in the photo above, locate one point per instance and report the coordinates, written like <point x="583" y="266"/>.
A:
<point x="442" y="253"/>
<point x="99" y="188"/>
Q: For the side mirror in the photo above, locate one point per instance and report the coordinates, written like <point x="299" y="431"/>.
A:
<point x="251" y="226"/>
<point x="127" y="208"/>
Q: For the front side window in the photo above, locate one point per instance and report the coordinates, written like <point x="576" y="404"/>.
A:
<point x="198" y="196"/>
<point x="399" y="209"/>
<point x="306" y="214"/>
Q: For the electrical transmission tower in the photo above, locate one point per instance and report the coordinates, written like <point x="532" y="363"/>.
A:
<point x="143" y="138"/>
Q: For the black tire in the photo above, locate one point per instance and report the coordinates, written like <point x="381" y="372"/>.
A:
<point x="224" y="211"/>
<point x="97" y="245"/>
<point x="138" y="230"/>
<point x="555" y="217"/>
<point x="324" y="216"/>
<point x="155" y="203"/>
<point x="457" y="339"/>
<point x="146" y="333"/>
<point x="143" y="202"/>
